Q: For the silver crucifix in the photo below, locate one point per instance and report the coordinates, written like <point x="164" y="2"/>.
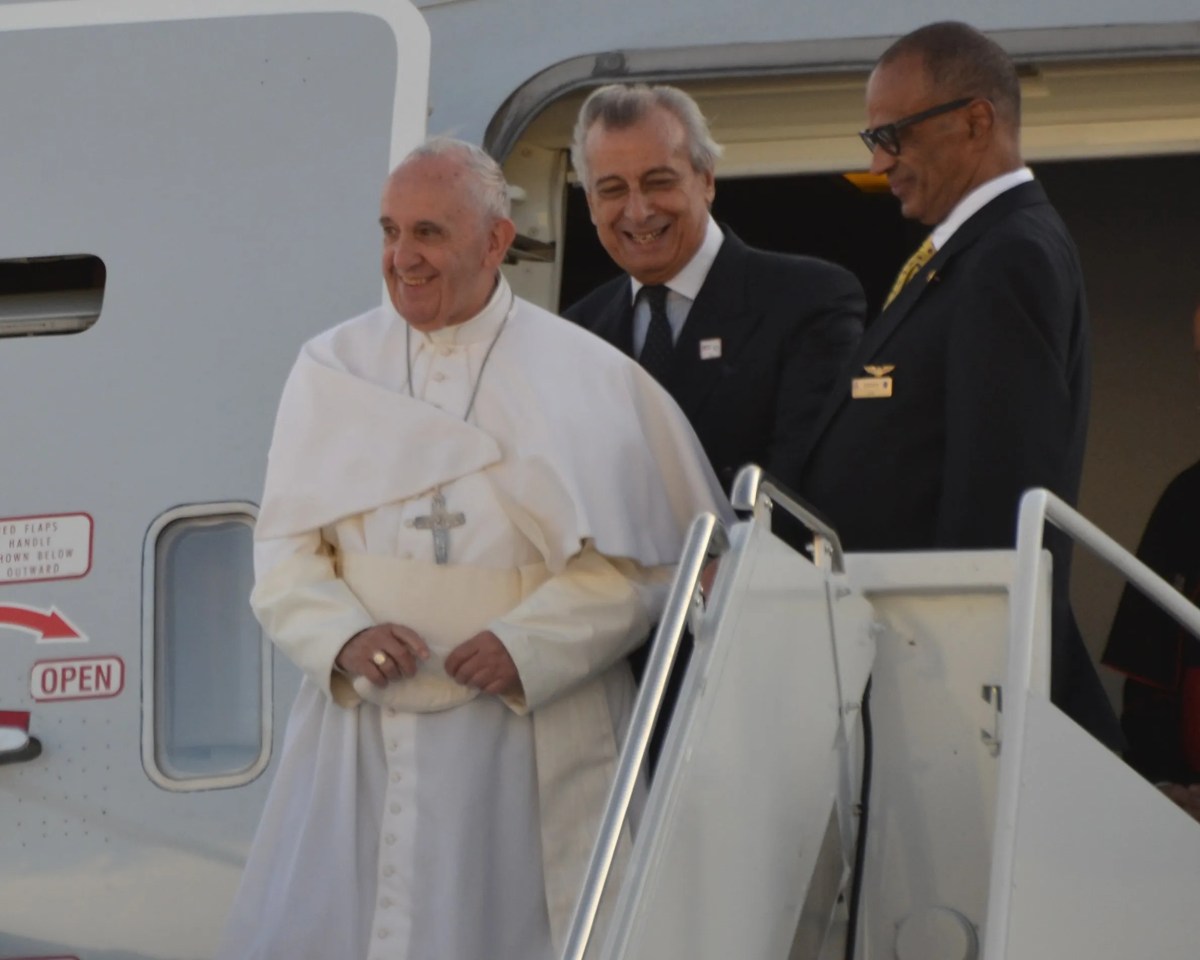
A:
<point x="440" y="522"/>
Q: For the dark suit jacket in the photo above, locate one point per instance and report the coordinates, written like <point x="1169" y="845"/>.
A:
<point x="787" y="326"/>
<point x="991" y="383"/>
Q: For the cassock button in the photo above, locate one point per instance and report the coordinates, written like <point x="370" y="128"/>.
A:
<point x="395" y="808"/>
<point x="382" y="934"/>
<point x="388" y="870"/>
<point x="438" y="377"/>
<point x="385" y="902"/>
<point x="395" y="778"/>
<point x="390" y="839"/>
<point x="393" y="744"/>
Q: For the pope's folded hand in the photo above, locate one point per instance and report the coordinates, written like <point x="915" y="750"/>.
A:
<point x="383" y="653"/>
<point x="484" y="663"/>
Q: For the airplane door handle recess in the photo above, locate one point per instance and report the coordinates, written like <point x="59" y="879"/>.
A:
<point x="17" y="746"/>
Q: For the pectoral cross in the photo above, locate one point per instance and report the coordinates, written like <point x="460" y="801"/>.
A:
<point x="440" y="522"/>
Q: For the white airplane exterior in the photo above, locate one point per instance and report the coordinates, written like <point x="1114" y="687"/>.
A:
<point x="189" y="192"/>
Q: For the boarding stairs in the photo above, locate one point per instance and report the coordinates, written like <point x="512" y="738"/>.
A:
<point x="996" y="828"/>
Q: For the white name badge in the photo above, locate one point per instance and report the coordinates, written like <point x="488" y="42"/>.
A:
<point x="710" y="349"/>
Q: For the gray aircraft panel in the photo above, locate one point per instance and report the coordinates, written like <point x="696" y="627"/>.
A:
<point x="227" y="172"/>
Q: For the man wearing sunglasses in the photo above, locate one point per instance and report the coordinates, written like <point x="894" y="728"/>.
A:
<point x="972" y="384"/>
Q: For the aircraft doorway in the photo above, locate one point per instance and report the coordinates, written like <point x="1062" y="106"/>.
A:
<point x="1114" y="141"/>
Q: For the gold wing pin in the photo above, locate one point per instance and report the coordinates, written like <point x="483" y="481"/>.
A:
<point x="879" y="371"/>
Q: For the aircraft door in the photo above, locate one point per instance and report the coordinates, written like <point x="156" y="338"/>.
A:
<point x="190" y="191"/>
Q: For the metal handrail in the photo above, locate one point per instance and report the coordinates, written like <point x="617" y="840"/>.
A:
<point x="753" y="485"/>
<point x="706" y="537"/>
<point x="1039" y="507"/>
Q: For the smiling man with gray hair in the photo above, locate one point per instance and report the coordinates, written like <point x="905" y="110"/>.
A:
<point x="748" y="342"/>
<point x="471" y="512"/>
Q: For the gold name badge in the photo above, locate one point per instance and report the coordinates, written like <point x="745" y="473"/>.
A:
<point x="877" y="385"/>
<point x="870" y="388"/>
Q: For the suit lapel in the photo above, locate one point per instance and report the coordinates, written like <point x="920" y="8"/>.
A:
<point x="719" y="313"/>
<point x="1023" y="195"/>
<point x="879" y="332"/>
<point x="615" y="322"/>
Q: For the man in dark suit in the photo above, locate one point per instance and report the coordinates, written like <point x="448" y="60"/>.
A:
<point x="748" y="343"/>
<point x="972" y="385"/>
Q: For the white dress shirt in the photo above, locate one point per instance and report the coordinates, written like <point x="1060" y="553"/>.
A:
<point x="682" y="289"/>
<point x="975" y="201"/>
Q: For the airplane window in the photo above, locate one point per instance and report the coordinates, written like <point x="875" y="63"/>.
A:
<point x="45" y="296"/>
<point x="207" y="673"/>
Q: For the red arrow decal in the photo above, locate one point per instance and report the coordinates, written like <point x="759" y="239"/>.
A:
<point x="15" y="718"/>
<point x="47" y="625"/>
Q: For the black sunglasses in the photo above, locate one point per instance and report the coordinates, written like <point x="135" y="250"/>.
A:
<point x="887" y="135"/>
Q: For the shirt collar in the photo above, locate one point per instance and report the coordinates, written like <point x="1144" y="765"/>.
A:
<point x="975" y="201"/>
<point x="688" y="281"/>
<point x="480" y="328"/>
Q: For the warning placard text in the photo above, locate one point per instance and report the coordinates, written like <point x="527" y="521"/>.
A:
<point x="52" y="547"/>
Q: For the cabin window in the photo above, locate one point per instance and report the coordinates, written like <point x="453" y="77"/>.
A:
<point x="206" y="680"/>
<point x="49" y="296"/>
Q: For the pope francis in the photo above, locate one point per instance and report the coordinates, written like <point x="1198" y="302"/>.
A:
<point x="470" y="515"/>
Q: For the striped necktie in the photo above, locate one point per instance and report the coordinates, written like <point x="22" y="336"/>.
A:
<point x="924" y="253"/>
<point x="658" y="352"/>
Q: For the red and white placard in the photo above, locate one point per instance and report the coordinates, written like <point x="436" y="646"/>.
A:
<point x="45" y="547"/>
<point x="77" y="678"/>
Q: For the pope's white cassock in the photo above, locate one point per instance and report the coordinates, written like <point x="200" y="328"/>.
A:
<point x="424" y="821"/>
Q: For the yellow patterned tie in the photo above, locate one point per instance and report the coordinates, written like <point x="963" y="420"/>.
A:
<point x="922" y="256"/>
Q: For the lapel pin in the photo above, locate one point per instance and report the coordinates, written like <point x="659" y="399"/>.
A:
<point x="878" y="385"/>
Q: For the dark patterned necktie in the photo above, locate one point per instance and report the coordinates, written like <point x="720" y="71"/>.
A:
<point x="658" y="352"/>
